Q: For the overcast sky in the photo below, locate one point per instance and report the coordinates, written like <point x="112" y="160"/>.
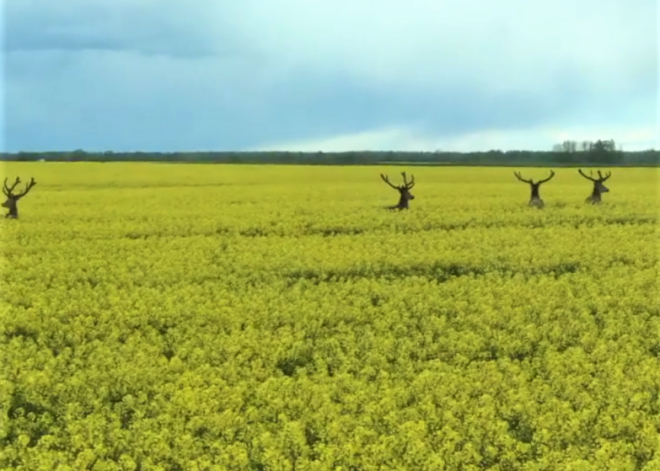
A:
<point x="332" y="75"/>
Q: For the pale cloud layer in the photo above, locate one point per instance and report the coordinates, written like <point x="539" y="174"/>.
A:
<point x="328" y="75"/>
<point x="403" y="139"/>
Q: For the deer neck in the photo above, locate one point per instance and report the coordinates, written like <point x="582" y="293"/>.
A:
<point x="13" y="210"/>
<point x="535" y="192"/>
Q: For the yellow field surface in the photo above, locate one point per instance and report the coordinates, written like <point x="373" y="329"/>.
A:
<point x="271" y="318"/>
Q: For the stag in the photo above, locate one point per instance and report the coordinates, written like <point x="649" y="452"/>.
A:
<point x="12" y="198"/>
<point x="599" y="188"/>
<point x="535" y="199"/>
<point x="404" y="190"/>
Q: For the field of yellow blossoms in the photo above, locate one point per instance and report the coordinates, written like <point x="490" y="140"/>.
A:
<point x="274" y="318"/>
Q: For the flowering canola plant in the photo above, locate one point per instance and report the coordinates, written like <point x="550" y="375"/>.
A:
<point x="217" y="317"/>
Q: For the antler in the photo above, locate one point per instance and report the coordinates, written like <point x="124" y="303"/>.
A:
<point x="7" y="190"/>
<point x="602" y="179"/>
<point x="407" y="184"/>
<point x="387" y="180"/>
<point x="585" y="176"/>
<point x="552" y="174"/>
<point x="27" y="188"/>
<point x="519" y="177"/>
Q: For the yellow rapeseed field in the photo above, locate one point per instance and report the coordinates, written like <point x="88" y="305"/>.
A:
<point x="272" y="318"/>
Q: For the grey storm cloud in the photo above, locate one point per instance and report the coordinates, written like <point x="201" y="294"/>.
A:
<point x="137" y="26"/>
<point x="172" y="75"/>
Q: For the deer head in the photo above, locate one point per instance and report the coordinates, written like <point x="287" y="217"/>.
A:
<point x="599" y="188"/>
<point x="11" y="202"/>
<point x="404" y="190"/>
<point x="535" y="199"/>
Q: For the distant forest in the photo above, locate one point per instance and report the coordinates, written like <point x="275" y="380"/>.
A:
<point x="569" y="153"/>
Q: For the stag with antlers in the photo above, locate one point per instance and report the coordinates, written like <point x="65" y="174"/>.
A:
<point x="12" y="198"/>
<point x="599" y="188"/>
<point x="404" y="190"/>
<point x="535" y="199"/>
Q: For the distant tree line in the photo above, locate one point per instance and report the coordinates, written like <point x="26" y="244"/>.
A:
<point x="569" y="153"/>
